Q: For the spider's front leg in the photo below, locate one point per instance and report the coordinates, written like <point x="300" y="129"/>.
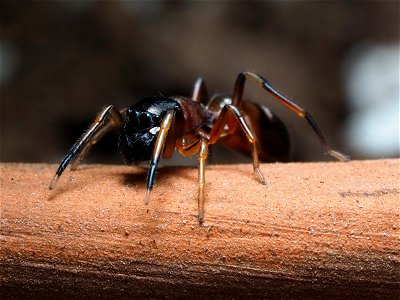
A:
<point x="83" y="144"/>
<point x="115" y="121"/>
<point x="164" y="143"/>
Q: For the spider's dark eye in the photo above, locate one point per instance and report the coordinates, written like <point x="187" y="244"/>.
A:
<point x="140" y="120"/>
<point x="144" y="121"/>
<point x="156" y="120"/>
<point x="131" y="113"/>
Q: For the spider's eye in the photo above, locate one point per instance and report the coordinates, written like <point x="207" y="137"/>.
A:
<point x="156" y="120"/>
<point x="131" y="113"/>
<point x="144" y="120"/>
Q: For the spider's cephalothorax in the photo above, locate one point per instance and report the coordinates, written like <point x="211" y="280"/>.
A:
<point x="155" y="126"/>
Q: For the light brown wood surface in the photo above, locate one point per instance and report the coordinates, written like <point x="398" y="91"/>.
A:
<point x="316" y="230"/>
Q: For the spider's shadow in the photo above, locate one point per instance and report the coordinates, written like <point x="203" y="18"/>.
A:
<point x="136" y="178"/>
<point x="163" y="173"/>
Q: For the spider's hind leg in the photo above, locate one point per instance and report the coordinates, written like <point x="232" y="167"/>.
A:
<point x="299" y="111"/>
<point x="90" y="137"/>
<point x="200" y="93"/>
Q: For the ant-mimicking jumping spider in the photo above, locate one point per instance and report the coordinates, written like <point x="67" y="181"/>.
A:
<point x="155" y="126"/>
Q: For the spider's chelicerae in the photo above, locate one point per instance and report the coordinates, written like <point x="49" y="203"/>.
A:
<point x="155" y="126"/>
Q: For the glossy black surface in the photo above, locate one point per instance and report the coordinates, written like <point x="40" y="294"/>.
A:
<point x="139" y="130"/>
<point x="274" y="139"/>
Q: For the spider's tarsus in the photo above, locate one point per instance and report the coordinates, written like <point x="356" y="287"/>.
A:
<point x="201" y="217"/>
<point x="260" y="176"/>
<point x="338" y="155"/>
<point x="147" y="198"/>
<point x="53" y="182"/>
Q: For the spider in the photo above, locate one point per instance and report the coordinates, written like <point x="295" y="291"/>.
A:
<point x="155" y="126"/>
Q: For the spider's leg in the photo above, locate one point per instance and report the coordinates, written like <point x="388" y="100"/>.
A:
<point x="299" y="111"/>
<point x="203" y="152"/>
<point x="224" y="120"/>
<point x="115" y="121"/>
<point x="169" y="141"/>
<point x="87" y="146"/>
<point x="162" y="136"/>
<point x="78" y="150"/>
<point x="201" y="147"/>
<point x="187" y="150"/>
<point x="200" y="93"/>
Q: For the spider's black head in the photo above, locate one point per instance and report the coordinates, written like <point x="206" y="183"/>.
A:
<point x="139" y="131"/>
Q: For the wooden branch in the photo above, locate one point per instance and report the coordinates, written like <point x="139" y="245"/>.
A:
<point x="317" y="230"/>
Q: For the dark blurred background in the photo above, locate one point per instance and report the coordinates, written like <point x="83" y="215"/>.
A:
<point x="62" y="61"/>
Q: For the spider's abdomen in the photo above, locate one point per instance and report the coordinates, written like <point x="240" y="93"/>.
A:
<point x="139" y="131"/>
<point x="273" y="141"/>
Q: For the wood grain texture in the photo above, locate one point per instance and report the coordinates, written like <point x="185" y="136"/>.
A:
<point x="317" y="230"/>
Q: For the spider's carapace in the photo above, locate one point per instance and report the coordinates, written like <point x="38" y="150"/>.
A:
<point x="155" y="126"/>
